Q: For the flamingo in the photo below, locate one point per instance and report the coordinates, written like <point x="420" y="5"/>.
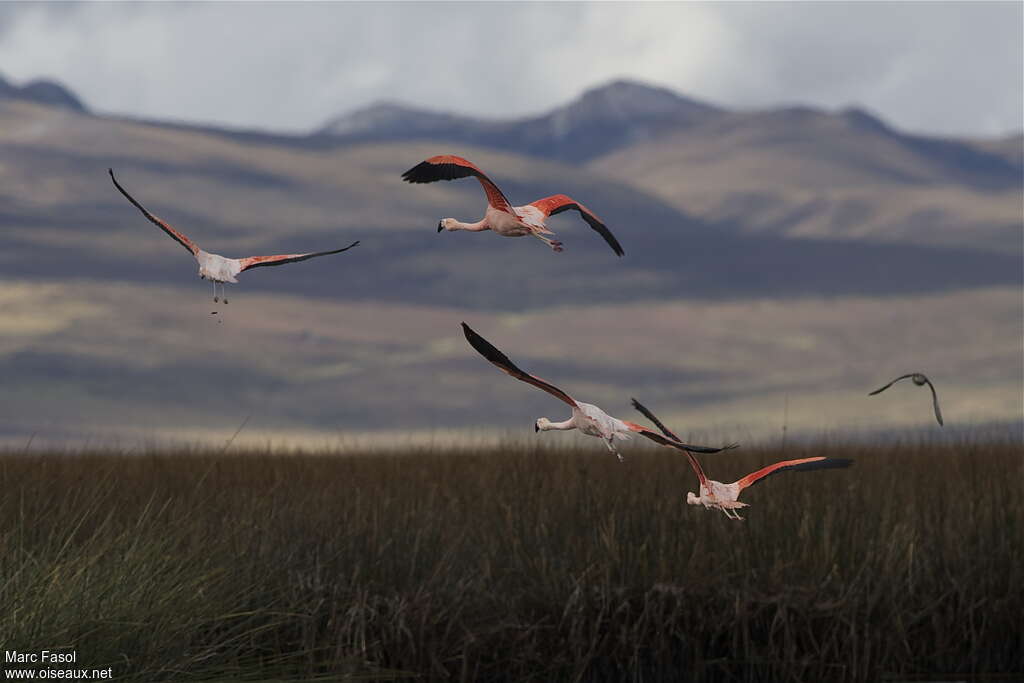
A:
<point x="725" y="497"/>
<point x="214" y="266"/>
<point x="919" y="379"/>
<point x="501" y="217"/>
<point x="587" y="418"/>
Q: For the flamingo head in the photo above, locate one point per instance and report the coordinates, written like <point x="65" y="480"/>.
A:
<point x="446" y="224"/>
<point x="542" y="424"/>
<point x="692" y="499"/>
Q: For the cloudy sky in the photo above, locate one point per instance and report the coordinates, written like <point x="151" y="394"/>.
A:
<point x="953" y="68"/>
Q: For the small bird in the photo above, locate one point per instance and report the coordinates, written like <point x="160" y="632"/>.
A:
<point x="919" y="379"/>
<point x="501" y="217"/>
<point x="215" y="267"/>
<point x="725" y="497"/>
<point x="587" y="418"/>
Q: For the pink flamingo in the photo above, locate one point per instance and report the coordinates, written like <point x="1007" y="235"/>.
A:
<point x="213" y="266"/>
<point x="725" y="497"/>
<point x="501" y="217"/>
<point x="587" y="418"/>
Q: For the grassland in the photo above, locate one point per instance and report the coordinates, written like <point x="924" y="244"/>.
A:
<point x="528" y="563"/>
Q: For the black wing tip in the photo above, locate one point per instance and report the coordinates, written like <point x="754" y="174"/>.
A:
<point x="475" y="340"/>
<point x="826" y="464"/>
<point x="486" y="348"/>
<point x="710" y="449"/>
<point x="426" y="172"/>
<point x="415" y="174"/>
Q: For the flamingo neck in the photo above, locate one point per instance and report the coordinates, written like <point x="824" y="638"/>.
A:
<point x="562" y="426"/>
<point x="471" y="227"/>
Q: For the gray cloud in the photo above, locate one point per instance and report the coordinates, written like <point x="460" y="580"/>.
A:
<point x="937" y="67"/>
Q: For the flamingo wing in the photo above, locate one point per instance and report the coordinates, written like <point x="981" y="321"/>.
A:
<point x="878" y="391"/>
<point x="670" y="434"/>
<point x="163" y="225"/>
<point x="935" y="401"/>
<point x="281" y="259"/>
<point x="488" y="351"/>
<point x="665" y="441"/>
<point x="556" y="204"/>
<point x="451" y="167"/>
<point x="801" y="464"/>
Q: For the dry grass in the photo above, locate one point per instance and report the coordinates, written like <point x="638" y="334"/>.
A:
<point x="520" y="564"/>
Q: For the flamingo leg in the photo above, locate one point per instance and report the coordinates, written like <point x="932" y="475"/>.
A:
<point x="611" y="446"/>
<point x="554" y="244"/>
<point x="224" y="291"/>
<point x="215" y="299"/>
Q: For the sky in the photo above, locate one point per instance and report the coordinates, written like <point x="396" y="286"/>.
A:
<point x="945" y="68"/>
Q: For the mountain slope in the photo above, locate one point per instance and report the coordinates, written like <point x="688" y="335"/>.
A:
<point x="61" y="213"/>
<point x="803" y="172"/>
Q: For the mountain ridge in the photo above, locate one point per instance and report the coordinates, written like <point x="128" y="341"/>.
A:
<point x="43" y="91"/>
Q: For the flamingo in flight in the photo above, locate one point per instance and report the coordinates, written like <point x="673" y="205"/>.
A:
<point x="920" y="380"/>
<point x="725" y="497"/>
<point x="501" y="217"/>
<point x="587" y="418"/>
<point x="215" y="267"/>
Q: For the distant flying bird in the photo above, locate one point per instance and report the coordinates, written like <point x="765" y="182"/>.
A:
<point x="215" y="267"/>
<point x="725" y="497"/>
<point x="587" y="418"/>
<point x="501" y="217"/>
<point x="920" y="380"/>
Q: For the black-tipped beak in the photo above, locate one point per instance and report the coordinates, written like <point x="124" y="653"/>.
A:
<point x="440" y="227"/>
<point x="535" y="428"/>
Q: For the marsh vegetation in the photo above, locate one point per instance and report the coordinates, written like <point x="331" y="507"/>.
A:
<point x="525" y="563"/>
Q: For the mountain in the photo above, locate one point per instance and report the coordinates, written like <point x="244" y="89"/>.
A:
<point x="106" y="330"/>
<point x="42" y="91"/>
<point x="790" y="171"/>
<point x="602" y="120"/>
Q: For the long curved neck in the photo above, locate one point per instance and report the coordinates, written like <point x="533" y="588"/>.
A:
<point x="472" y="227"/>
<point x="568" y="424"/>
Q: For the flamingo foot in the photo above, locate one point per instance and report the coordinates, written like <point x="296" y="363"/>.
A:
<point x="225" y="299"/>
<point x="216" y="299"/>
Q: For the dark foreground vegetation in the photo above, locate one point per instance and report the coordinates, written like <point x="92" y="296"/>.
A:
<point x="515" y="565"/>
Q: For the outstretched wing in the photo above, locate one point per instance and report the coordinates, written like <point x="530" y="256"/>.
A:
<point x="670" y="434"/>
<point x="935" y="401"/>
<point x="488" y="351"/>
<point x="673" y="443"/>
<point x="281" y="259"/>
<point x="450" y="167"/>
<point x="878" y="391"/>
<point x="802" y="465"/>
<point x="558" y="203"/>
<point x="174" y="234"/>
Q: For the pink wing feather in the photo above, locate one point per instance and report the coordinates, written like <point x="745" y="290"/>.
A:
<point x="557" y="203"/>
<point x="163" y="225"/>
<point x="281" y="259"/>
